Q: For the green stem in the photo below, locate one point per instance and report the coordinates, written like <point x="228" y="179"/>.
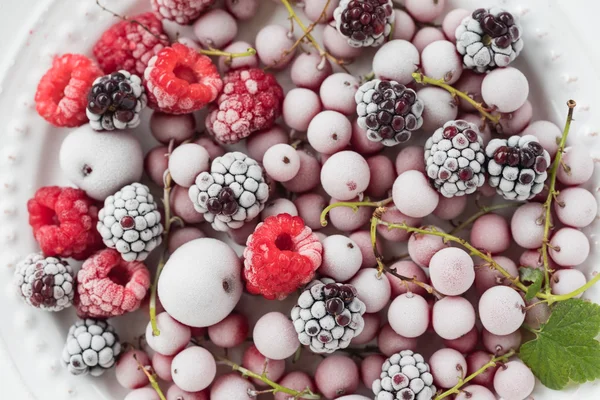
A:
<point x="354" y="206"/>
<point x="220" y="53"/>
<point x="152" y="378"/>
<point x="277" y="388"/>
<point x="420" y="78"/>
<point x="492" y="363"/>
<point x="552" y="193"/>
<point x="484" y="210"/>
<point x="553" y="298"/>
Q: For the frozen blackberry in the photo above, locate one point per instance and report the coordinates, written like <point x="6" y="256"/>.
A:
<point x="328" y="315"/>
<point x="488" y="38"/>
<point x="404" y="376"/>
<point x="454" y="158"/>
<point x="364" y="22"/>
<point x="115" y="101"/>
<point x="232" y="193"/>
<point x="517" y="166"/>
<point x="45" y="282"/>
<point x="92" y="347"/>
<point x="130" y="222"/>
<point x="388" y="110"/>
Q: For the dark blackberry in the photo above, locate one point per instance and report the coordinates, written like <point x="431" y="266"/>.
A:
<point x="364" y="22"/>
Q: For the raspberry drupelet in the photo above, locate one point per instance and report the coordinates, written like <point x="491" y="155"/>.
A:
<point x="183" y="12"/>
<point x="61" y="96"/>
<point x="179" y="80"/>
<point x="128" y="45"/>
<point x="280" y="256"/>
<point x="251" y="101"/>
<point x="63" y="222"/>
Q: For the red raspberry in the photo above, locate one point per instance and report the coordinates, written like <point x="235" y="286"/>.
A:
<point x="179" y="80"/>
<point x="181" y="11"/>
<point x="64" y="222"/>
<point x="108" y="286"/>
<point x="127" y="45"/>
<point x="61" y="96"/>
<point x="280" y="256"/>
<point x="251" y="101"/>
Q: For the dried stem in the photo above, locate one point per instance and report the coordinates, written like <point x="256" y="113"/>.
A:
<point x="151" y="377"/>
<point x="354" y="206"/>
<point x="133" y="21"/>
<point x="552" y="193"/>
<point x="484" y="210"/>
<point x="420" y="78"/>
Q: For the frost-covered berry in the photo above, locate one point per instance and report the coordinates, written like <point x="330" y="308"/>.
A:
<point x="337" y="93"/>
<point x="580" y="166"/>
<point x="505" y="89"/>
<point x="408" y="315"/>
<point x="413" y="196"/>
<point x="452" y="317"/>
<point x="440" y="61"/>
<point x="448" y="366"/>
<point x="300" y="106"/>
<point x="193" y="369"/>
<point x="281" y="162"/>
<point x="342" y="258"/>
<point x="272" y="46"/>
<point x="364" y="22"/>
<point x="405" y="375"/>
<point x="514" y="380"/>
<point x="452" y="271"/>
<point x="396" y="61"/>
<point x="576" y="207"/>
<point x="345" y="175"/>
<point x="275" y="336"/>
<point x="329" y="132"/>
<point x="501" y="310"/>
<point x="569" y="247"/>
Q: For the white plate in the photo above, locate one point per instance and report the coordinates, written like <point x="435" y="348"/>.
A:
<point x="558" y="66"/>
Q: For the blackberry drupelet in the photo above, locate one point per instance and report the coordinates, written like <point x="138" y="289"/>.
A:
<point x="389" y="111"/>
<point x="404" y="376"/>
<point x="364" y="22"/>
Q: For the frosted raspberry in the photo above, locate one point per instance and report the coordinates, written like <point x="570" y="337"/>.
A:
<point x="108" y="286"/>
<point x="280" y="256"/>
<point x="181" y="11"/>
<point x="127" y="45"/>
<point x="61" y="96"/>
<point x="64" y="221"/>
<point x="251" y="101"/>
<point x="179" y="80"/>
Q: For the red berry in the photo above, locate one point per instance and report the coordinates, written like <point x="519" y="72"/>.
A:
<point x="61" y="96"/>
<point x="179" y="80"/>
<point x="466" y="174"/>
<point x="127" y="45"/>
<point x="449" y="132"/>
<point x="183" y="12"/>
<point x="64" y="222"/>
<point x="501" y="155"/>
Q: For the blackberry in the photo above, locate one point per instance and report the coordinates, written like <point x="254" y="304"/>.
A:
<point x="454" y="158"/>
<point x="364" y="22"/>
<point x="115" y="101"/>
<point x="47" y="283"/>
<point x="388" y="110"/>
<point x="130" y="222"/>
<point x="517" y="166"/>
<point x="404" y="376"/>
<point x="328" y="315"/>
<point x="232" y="193"/>
<point x="489" y="38"/>
<point x="92" y="347"/>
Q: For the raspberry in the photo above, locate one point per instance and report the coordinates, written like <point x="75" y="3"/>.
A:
<point x="64" y="221"/>
<point x="181" y="11"/>
<point x="61" y="96"/>
<point x="251" y="101"/>
<point x="108" y="286"/>
<point x="280" y="256"/>
<point x="127" y="45"/>
<point x="179" y="80"/>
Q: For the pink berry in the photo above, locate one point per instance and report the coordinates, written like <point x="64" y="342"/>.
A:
<point x="408" y="315"/>
<point x="329" y="132"/>
<point x="515" y="122"/>
<point x="413" y="194"/>
<point x="183" y="207"/>
<point x="370" y="330"/>
<point x="310" y="206"/>
<point x="258" y="143"/>
<point x="486" y="276"/>
<point x="300" y="106"/>
<point x="448" y="366"/>
<point x="477" y="360"/>
<point x="341" y="258"/>
<point x="337" y="44"/>
<point x="451" y="271"/>
<point x="142" y="394"/>
<point x="527" y="225"/>
<point x="566" y="281"/>
<point x="410" y="158"/>
<point x="181" y="236"/>
<point x="580" y="164"/>
<point x="227" y="63"/>
<point x="453" y="317"/>
<point x="162" y="366"/>
<point x="128" y="371"/>
<point x="173" y="337"/>
<point x="389" y="342"/>
<point x="422" y="248"/>
<point x="176" y="393"/>
<point x="296" y="380"/>
<point x="466" y="343"/>
<point x="309" y="70"/>
<point x="156" y="163"/>
<point x="281" y="162"/>
<point x="392" y="215"/>
<point x="230" y="332"/>
<point x="193" y="369"/>
<point x="475" y="392"/>
<point x="382" y="176"/>
<point x="370" y="369"/>
<point x="426" y="36"/>
<point x="538" y="314"/>
<point x="278" y="206"/>
<point x="214" y="149"/>
<point x="165" y="127"/>
<point x="216" y="29"/>
<point x="186" y="162"/>
<point x="501" y="310"/>
<point x="256" y="362"/>
<point x="396" y="60"/>
<point x="501" y="344"/>
<point x="275" y="337"/>
<point x="230" y="386"/>
<point x="409" y="270"/>
<point x="452" y="20"/>
<point x="470" y="83"/>
<point x="374" y="291"/>
<point x="505" y="88"/>
<point x="361" y="143"/>
<point x="271" y="43"/>
<point x="347" y="220"/>
<point x="404" y="26"/>
<point x="569" y="247"/>
<point x="425" y="11"/>
<point x="314" y="10"/>
<point x="440" y="107"/>
<point x="242" y="10"/>
<point x="576" y="207"/>
<point x="308" y="175"/>
<point x="363" y="241"/>
<point x="345" y="175"/>
<point x="514" y="381"/>
<point x="336" y="376"/>
<point x="450" y="208"/>
<point x="480" y="233"/>
<point x="337" y="93"/>
<point x="547" y="133"/>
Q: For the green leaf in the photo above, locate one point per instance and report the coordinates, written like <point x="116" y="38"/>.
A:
<point x="565" y="349"/>
<point x="533" y="276"/>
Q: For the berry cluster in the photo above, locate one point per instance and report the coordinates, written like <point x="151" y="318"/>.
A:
<point x="364" y="22"/>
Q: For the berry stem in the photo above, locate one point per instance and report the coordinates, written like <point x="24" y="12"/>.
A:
<point x="133" y="21"/>
<point x="151" y="377"/>
<point x="424" y="79"/>
<point x="414" y="280"/>
<point x="552" y="193"/>
<point x="553" y="298"/>
<point x="230" y="56"/>
<point x="492" y="363"/>
<point x="354" y="206"/>
<point x="277" y="388"/>
<point x="484" y="210"/>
